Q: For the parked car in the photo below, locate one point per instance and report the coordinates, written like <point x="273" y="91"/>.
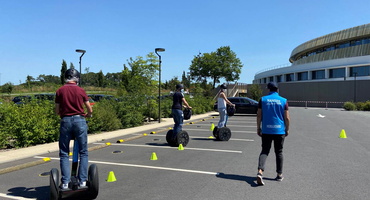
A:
<point x="99" y="97"/>
<point x="243" y="105"/>
<point x="21" y="99"/>
<point x="45" y="96"/>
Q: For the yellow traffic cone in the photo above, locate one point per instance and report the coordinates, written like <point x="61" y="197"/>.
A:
<point x="343" y="134"/>
<point x="154" y="156"/>
<point x="111" y="177"/>
<point x="180" y="147"/>
<point x="212" y="127"/>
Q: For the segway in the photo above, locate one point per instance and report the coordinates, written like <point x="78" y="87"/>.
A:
<point x="224" y="133"/>
<point x="74" y="191"/>
<point x="181" y="138"/>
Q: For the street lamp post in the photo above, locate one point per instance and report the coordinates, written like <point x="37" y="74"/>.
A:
<point x="159" y="85"/>
<point x="355" y="74"/>
<point x="83" y="52"/>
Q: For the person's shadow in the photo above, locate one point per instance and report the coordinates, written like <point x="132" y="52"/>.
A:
<point x="250" y="180"/>
<point x="39" y="193"/>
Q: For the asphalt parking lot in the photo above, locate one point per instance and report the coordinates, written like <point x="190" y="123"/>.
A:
<point x="318" y="164"/>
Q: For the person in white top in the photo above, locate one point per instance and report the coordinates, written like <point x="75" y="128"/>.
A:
<point x="221" y="106"/>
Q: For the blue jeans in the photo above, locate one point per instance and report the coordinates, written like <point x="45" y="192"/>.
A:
<point x="73" y="127"/>
<point x="223" y="117"/>
<point x="178" y="118"/>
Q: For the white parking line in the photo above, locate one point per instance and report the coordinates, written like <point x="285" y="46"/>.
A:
<point x="235" y="139"/>
<point x="168" y="147"/>
<point x="146" y="166"/>
<point x="207" y="130"/>
<point x="14" y="197"/>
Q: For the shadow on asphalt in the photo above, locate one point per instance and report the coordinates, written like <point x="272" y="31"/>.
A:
<point x="250" y="180"/>
<point x="39" y="193"/>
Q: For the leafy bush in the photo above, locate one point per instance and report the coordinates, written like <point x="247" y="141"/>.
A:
<point x="29" y="124"/>
<point x="130" y="110"/>
<point x="366" y="106"/>
<point x="104" y="118"/>
<point x="349" y="106"/>
<point x="360" y="105"/>
<point x="36" y="122"/>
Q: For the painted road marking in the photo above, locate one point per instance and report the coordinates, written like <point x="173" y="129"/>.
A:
<point x="148" y="167"/>
<point x="204" y="130"/>
<point x="14" y="197"/>
<point x="235" y="139"/>
<point x="168" y="147"/>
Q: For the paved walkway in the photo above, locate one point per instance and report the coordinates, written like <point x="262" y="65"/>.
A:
<point x="17" y="154"/>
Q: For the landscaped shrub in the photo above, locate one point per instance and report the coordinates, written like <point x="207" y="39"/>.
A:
<point x="130" y="111"/>
<point x="360" y="105"/>
<point x="349" y="106"/>
<point x="104" y="118"/>
<point x="367" y="106"/>
<point x="35" y="122"/>
<point x="30" y="124"/>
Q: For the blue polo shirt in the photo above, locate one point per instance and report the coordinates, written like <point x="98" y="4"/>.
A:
<point x="273" y="107"/>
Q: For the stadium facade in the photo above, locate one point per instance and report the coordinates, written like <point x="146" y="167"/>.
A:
<point x="333" y="67"/>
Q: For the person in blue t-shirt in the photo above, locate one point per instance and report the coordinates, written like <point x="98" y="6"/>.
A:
<point x="272" y="125"/>
<point x="178" y="116"/>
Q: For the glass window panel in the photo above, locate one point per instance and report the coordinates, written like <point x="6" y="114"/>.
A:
<point x="337" y="73"/>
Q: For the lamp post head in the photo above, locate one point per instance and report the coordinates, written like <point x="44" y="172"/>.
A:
<point x="80" y="51"/>
<point x="159" y="50"/>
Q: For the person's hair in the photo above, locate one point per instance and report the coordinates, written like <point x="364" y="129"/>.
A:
<point x="273" y="89"/>
<point x="75" y="79"/>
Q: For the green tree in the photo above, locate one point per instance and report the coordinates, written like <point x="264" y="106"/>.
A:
<point x="71" y="66"/>
<point x="255" y="92"/>
<point x="100" y="79"/>
<point x="29" y="80"/>
<point x="185" y="80"/>
<point x="62" y="71"/>
<point x="140" y="76"/>
<point x="7" y="88"/>
<point x="222" y="63"/>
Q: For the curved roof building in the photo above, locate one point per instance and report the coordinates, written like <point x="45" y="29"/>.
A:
<point x="343" y="55"/>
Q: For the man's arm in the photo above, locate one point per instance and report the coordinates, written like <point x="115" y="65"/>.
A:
<point x="259" y="118"/>
<point x="89" y="109"/>
<point x="57" y="108"/>
<point x="287" y="122"/>
<point x="186" y="103"/>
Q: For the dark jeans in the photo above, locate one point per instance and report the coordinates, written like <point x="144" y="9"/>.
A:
<point x="266" y="146"/>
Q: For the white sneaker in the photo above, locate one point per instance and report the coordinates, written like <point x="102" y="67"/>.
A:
<point x="83" y="184"/>
<point x="64" y="186"/>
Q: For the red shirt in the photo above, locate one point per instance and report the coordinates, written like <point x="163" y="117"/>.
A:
<point x="71" y="98"/>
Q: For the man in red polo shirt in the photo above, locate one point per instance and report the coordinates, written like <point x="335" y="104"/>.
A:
<point x="69" y="102"/>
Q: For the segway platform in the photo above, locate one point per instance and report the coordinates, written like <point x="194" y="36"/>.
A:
<point x="181" y="138"/>
<point x="222" y="134"/>
<point x="74" y="191"/>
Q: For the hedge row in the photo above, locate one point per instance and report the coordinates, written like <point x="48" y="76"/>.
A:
<point x="362" y="106"/>
<point x="36" y="123"/>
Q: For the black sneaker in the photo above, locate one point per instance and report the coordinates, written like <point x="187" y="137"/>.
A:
<point x="279" y="178"/>
<point x="260" y="179"/>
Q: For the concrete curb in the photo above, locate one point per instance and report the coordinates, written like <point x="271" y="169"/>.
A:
<point x="17" y="154"/>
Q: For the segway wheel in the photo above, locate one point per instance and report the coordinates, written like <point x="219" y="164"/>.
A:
<point x="93" y="181"/>
<point x="169" y="139"/>
<point x="223" y="134"/>
<point x="54" y="184"/>
<point x="182" y="138"/>
<point x="215" y="131"/>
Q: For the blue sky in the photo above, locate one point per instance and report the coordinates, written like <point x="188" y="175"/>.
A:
<point x="35" y="36"/>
